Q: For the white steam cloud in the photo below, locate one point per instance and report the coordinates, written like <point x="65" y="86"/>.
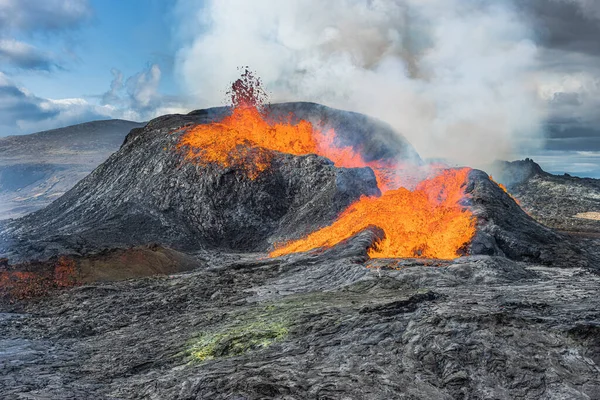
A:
<point x="455" y="77"/>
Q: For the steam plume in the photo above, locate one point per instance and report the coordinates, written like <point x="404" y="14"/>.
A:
<point x="454" y="76"/>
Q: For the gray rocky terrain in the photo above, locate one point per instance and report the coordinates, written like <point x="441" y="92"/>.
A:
<point x="320" y="326"/>
<point x="516" y="318"/>
<point x="563" y="202"/>
<point x="37" y="169"/>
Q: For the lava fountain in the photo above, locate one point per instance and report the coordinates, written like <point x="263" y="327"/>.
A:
<point x="428" y="221"/>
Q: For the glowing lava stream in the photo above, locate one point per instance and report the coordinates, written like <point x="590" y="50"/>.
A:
<point x="428" y="222"/>
<point x="240" y="140"/>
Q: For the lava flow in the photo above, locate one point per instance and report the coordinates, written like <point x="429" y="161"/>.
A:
<point x="501" y="186"/>
<point x="245" y="139"/>
<point x="426" y="222"/>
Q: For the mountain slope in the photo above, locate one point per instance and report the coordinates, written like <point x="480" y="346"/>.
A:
<point x="38" y="168"/>
<point x="562" y="202"/>
<point x="148" y="192"/>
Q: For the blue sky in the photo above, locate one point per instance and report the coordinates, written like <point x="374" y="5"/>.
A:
<point x="128" y="35"/>
<point x="58" y="60"/>
<point x="438" y="71"/>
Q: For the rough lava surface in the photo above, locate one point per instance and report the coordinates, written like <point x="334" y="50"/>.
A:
<point x="516" y="319"/>
<point x="563" y="202"/>
<point x="319" y="326"/>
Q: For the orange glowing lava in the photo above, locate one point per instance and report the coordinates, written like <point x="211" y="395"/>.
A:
<point x="501" y="186"/>
<point x="241" y="140"/>
<point x="428" y="222"/>
<point x="245" y="139"/>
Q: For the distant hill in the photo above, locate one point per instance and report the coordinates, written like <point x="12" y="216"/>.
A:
<point x="38" y="168"/>
<point x="562" y="202"/>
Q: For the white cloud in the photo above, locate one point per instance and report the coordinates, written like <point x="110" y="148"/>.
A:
<point x="143" y="89"/>
<point x="28" y="17"/>
<point x="590" y="8"/>
<point x="572" y="96"/>
<point x="112" y="96"/>
<point x="139" y="97"/>
<point x="23" y="112"/>
<point x="23" y="55"/>
<point x="43" y="15"/>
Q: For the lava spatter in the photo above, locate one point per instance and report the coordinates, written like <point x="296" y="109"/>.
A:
<point x="245" y="139"/>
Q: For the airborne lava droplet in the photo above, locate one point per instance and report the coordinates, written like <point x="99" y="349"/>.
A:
<point x="426" y="222"/>
<point x="247" y="92"/>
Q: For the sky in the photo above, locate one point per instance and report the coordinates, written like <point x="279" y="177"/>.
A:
<point x="469" y="79"/>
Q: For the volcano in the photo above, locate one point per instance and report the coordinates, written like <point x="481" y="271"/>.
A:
<point x="293" y="251"/>
<point x="157" y="190"/>
<point x="148" y="192"/>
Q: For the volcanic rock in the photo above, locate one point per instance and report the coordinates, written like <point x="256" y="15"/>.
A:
<point x="147" y="192"/>
<point x="504" y="229"/>
<point x="140" y="261"/>
<point x="312" y="326"/>
<point x="562" y="202"/>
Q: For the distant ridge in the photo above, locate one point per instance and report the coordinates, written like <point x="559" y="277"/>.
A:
<point x="563" y="202"/>
<point x="37" y="168"/>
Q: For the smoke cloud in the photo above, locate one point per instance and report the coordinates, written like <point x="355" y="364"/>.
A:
<point x="455" y="77"/>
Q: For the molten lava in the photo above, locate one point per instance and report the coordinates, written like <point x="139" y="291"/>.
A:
<point x="427" y="222"/>
<point x="501" y="186"/>
<point x="245" y="139"/>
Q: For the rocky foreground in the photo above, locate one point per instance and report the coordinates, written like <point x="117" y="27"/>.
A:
<point x="321" y="326"/>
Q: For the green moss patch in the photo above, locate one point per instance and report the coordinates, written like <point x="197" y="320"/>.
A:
<point x="236" y="340"/>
